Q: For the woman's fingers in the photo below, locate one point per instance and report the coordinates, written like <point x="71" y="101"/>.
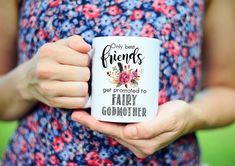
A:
<point x="63" y="55"/>
<point x="171" y="117"/>
<point x="68" y="102"/>
<point x="138" y="153"/>
<point x="141" y="148"/>
<point x="89" y="121"/>
<point x="60" y="73"/>
<point x="76" y="43"/>
<point x="145" y="138"/>
<point x="63" y="89"/>
<point x="72" y="73"/>
<point x="77" y="59"/>
<point x="145" y="130"/>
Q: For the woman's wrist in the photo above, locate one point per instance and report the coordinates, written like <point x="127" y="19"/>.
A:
<point x="192" y="117"/>
<point x="199" y="120"/>
<point x="25" y="72"/>
<point x="17" y="99"/>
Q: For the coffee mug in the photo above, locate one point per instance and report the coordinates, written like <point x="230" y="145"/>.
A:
<point x="125" y="79"/>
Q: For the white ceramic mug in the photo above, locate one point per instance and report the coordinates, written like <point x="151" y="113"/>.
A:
<point x="125" y="78"/>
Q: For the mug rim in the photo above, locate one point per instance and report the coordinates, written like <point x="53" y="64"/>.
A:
<point x="136" y="37"/>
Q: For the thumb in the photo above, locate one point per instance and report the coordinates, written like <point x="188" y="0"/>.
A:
<point x="163" y="122"/>
<point x="76" y="43"/>
<point x="144" y="130"/>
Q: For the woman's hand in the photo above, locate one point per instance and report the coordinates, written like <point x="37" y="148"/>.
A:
<point x="174" y="119"/>
<point x="58" y="74"/>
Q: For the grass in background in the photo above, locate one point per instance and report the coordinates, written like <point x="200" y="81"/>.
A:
<point x="217" y="146"/>
<point x="6" y="130"/>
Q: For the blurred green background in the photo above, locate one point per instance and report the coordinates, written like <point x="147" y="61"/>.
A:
<point x="217" y="145"/>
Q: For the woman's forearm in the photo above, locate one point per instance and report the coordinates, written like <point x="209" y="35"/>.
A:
<point x="215" y="107"/>
<point x="12" y="105"/>
<point x="14" y="102"/>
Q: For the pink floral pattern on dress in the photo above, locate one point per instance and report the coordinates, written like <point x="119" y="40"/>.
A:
<point x="48" y="136"/>
<point x="91" y="11"/>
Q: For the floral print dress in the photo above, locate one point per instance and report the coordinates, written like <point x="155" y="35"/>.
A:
<point x="48" y="136"/>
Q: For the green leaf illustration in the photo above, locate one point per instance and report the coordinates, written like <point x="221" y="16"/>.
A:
<point x="118" y="85"/>
<point x="134" y="82"/>
<point x="120" y="66"/>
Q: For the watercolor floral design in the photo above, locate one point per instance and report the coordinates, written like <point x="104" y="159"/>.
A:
<point x="125" y="75"/>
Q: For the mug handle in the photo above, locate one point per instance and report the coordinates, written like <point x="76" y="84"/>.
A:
<point x="88" y="103"/>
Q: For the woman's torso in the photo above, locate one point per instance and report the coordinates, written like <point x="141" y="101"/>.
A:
<point x="48" y="136"/>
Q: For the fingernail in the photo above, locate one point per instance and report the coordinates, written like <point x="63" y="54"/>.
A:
<point x="132" y="131"/>
<point x="89" y="46"/>
<point x="73" y="118"/>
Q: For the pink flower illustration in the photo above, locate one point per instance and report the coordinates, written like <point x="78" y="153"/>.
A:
<point x="91" y="11"/>
<point x="134" y="75"/>
<point x="124" y="77"/>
